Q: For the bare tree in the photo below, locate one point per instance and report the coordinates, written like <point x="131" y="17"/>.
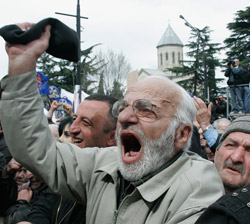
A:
<point x="115" y="69"/>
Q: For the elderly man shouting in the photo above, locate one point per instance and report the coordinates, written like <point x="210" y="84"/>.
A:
<point x="149" y="178"/>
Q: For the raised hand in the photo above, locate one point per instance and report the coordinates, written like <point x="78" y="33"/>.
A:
<point x="22" y="58"/>
<point x="203" y="114"/>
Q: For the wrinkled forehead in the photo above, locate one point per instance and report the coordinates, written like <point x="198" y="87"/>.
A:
<point x="154" y="89"/>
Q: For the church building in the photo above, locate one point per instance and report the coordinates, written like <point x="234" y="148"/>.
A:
<point x="169" y="55"/>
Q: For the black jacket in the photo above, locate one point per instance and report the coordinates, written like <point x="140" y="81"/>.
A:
<point x="53" y="208"/>
<point x="234" y="76"/>
<point x="229" y="209"/>
<point x="219" y="110"/>
<point x="8" y="194"/>
<point x="20" y="210"/>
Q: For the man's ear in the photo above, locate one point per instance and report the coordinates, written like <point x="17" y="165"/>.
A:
<point x="111" y="139"/>
<point x="182" y="135"/>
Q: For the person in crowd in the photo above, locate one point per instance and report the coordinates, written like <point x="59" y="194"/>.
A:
<point x="211" y="132"/>
<point x="209" y="153"/>
<point x="219" y="108"/>
<point x="221" y="124"/>
<point x="19" y="190"/>
<point x="203" y="118"/>
<point x="150" y="177"/>
<point x="234" y="72"/>
<point x="68" y="109"/>
<point x="196" y="144"/>
<point x="20" y="179"/>
<point x="30" y="189"/>
<point x="53" y="106"/>
<point x="52" y="208"/>
<point x="205" y="148"/>
<point x="64" y="129"/>
<point x="232" y="160"/>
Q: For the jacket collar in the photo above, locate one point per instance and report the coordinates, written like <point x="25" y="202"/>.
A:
<point x="158" y="184"/>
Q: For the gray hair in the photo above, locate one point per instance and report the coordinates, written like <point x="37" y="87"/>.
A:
<point x="218" y="122"/>
<point x="185" y="113"/>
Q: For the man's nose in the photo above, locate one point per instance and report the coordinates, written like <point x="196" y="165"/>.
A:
<point x="74" y="128"/>
<point x="238" y="154"/>
<point x="127" y="116"/>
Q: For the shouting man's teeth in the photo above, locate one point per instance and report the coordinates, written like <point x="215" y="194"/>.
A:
<point x="131" y="154"/>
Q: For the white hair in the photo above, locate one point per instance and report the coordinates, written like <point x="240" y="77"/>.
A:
<point x="221" y="121"/>
<point x="185" y="113"/>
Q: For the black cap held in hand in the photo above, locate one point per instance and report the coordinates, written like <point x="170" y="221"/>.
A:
<point x="64" y="42"/>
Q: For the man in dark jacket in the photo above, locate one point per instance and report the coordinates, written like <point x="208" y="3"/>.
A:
<point x="234" y="73"/>
<point x="231" y="208"/>
<point x="232" y="160"/>
<point x="29" y="188"/>
<point x="219" y="108"/>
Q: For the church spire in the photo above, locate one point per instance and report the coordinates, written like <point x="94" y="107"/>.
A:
<point x="169" y="38"/>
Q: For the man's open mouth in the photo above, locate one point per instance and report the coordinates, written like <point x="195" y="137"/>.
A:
<point x="131" y="147"/>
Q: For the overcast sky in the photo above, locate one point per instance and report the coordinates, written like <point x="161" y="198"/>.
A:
<point x="133" y="27"/>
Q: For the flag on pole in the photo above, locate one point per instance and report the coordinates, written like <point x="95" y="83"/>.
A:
<point x="42" y="83"/>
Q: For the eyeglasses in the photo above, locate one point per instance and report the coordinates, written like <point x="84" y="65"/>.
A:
<point x="142" y="108"/>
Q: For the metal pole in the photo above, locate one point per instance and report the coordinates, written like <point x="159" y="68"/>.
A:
<point x="78" y="86"/>
<point x="205" y="74"/>
<point x="78" y="74"/>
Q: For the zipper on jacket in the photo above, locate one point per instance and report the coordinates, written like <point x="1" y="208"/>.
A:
<point x="116" y="212"/>
<point x="67" y="213"/>
<point x="58" y="210"/>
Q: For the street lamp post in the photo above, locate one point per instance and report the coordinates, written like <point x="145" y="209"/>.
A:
<point x="77" y="87"/>
<point x="200" y="38"/>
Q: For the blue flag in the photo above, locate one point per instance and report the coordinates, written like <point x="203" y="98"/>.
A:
<point x="42" y="83"/>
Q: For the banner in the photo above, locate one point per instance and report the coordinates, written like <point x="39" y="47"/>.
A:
<point x="42" y="83"/>
<point x="67" y="95"/>
<point x="53" y="92"/>
<point x="60" y="112"/>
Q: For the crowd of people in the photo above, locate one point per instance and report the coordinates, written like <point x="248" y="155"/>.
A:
<point x="153" y="157"/>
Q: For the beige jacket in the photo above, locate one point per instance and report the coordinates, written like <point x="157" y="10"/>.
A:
<point x="178" y="194"/>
